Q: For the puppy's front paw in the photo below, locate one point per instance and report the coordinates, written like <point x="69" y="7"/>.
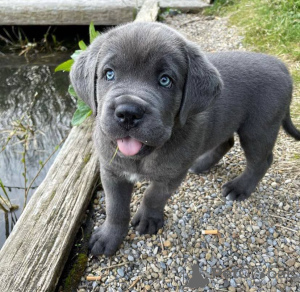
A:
<point x="148" y="221"/>
<point x="236" y="190"/>
<point x="106" y="239"/>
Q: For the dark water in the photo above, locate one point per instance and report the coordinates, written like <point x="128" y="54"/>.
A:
<point x="35" y="89"/>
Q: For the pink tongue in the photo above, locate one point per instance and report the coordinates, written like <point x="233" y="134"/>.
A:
<point x="129" y="146"/>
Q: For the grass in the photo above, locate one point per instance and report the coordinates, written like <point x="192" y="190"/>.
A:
<point x="271" y="26"/>
<point x="268" y="26"/>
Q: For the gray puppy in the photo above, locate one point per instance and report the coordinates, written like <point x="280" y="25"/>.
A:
<point x="170" y="108"/>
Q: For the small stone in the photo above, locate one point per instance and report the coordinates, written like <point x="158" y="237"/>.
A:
<point x="148" y="287"/>
<point x="208" y="256"/>
<point x="167" y="243"/>
<point x="255" y="228"/>
<point x="231" y="289"/>
<point x="163" y="265"/>
<point x="249" y="228"/>
<point x="287" y="250"/>
<point x="290" y="262"/>
<point x="233" y="283"/>
<point x="271" y="230"/>
<point x="274" y="184"/>
<point x="121" y="272"/>
<point x="130" y="258"/>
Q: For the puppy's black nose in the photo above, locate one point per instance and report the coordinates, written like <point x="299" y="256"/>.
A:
<point x="129" y="115"/>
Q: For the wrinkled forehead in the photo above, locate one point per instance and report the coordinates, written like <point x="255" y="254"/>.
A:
<point x="145" y="44"/>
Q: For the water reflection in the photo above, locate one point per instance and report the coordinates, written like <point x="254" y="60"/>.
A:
<point x="36" y="89"/>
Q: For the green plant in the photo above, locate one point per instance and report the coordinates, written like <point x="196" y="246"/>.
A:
<point x="270" y="26"/>
<point x="83" y="110"/>
<point x="14" y="38"/>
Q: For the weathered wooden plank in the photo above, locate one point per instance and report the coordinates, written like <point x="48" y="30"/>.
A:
<point x="184" y="5"/>
<point x="81" y="12"/>
<point x="34" y="254"/>
<point x="149" y="11"/>
<point x="66" y="12"/>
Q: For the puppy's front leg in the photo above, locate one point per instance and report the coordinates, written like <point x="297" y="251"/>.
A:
<point x="107" y="238"/>
<point x="150" y="215"/>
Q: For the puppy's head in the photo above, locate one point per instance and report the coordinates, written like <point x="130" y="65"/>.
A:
<point x="141" y="79"/>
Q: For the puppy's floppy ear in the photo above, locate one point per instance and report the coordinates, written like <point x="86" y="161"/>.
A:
<point x="83" y="74"/>
<point x="203" y="84"/>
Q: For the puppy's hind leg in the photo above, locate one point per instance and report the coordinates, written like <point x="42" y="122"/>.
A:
<point x="211" y="157"/>
<point x="258" y="152"/>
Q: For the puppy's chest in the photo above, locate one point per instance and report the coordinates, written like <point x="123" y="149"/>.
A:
<point x="133" y="177"/>
<point x="140" y="172"/>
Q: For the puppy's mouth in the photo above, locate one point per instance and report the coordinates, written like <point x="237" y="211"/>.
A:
<point x="129" y="146"/>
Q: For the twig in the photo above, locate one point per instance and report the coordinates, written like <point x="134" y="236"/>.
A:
<point x="19" y="188"/>
<point x="19" y="122"/>
<point x="162" y="246"/>
<point x="134" y="282"/>
<point x="5" y="193"/>
<point x="190" y="21"/>
<point x="5" y="40"/>
<point x="42" y="166"/>
<point x="281" y="217"/>
<point x="25" y="168"/>
<point x="114" y="266"/>
<point x="113" y="157"/>
<point x="290" y="229"/>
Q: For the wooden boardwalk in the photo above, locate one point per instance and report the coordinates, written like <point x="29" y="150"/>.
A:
<point x="81" y="12"/>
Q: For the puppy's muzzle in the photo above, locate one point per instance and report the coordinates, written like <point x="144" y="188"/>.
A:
<point x="129" y="115"/>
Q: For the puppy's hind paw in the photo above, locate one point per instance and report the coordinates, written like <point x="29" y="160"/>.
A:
<point x="106" y="239"/>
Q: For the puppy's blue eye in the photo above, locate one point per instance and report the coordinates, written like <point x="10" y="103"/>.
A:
<point x="165" y="81"/>
<point x="110" y="75"/>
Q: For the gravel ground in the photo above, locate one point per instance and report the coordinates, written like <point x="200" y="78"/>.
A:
<point x="261" y="233"/>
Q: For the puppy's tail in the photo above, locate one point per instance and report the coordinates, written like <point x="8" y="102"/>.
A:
<point x="289" y="127"/>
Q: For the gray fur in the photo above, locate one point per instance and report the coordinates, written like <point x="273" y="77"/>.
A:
<point x="187" y="126"/>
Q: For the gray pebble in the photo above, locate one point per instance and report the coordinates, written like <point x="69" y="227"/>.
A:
<point x="121" y="272"/>
<point x="233" y="283"/>
<point x="130" y="258"/>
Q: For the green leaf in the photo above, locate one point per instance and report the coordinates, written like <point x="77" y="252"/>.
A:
<point x="66" y="66"/>
<point x="93" y="32"/>
<point x="76" y="54"/>
<point x="79" y="117"/>
<point x="83" y="111"/>
<point x="72" y="91"/>
<point x="81" y="105"/>
<point x="82" y="45"/>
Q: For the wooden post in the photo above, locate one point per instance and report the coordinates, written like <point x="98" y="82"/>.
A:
<point x="34" y="254"/>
